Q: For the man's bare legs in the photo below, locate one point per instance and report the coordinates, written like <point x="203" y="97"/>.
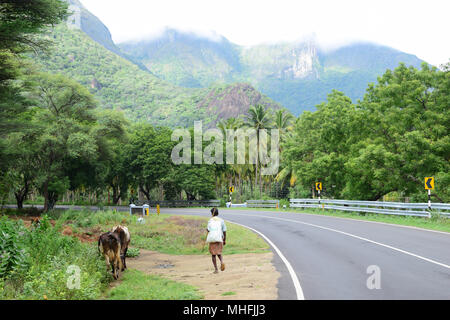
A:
<point x="214" y="261"/>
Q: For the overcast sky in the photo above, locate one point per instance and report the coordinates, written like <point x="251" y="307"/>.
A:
<point x="417" y="27"/>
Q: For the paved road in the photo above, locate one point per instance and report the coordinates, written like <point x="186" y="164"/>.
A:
<point x="333" y="258"/>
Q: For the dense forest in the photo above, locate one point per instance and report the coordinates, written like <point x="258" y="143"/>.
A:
<point x="59" y="142"/>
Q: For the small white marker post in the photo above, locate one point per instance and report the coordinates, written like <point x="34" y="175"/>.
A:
<point x="429" y="185"/>
<point x="429" y="203"/>
<point x="319" y="196"/>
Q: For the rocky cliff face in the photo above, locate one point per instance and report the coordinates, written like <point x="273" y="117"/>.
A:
<point x="302" y="65"/>
<point x="233" y="101"/>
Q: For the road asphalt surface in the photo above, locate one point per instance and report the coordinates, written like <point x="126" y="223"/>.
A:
<point x="336" y="258"/>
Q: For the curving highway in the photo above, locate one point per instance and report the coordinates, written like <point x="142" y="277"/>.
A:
<point x="323" y="257"/>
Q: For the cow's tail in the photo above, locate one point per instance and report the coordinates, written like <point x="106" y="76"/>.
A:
<point x="99" y="245"/>
<point x="118" y="256"/>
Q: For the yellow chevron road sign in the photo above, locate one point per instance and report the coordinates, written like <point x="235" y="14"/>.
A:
<point x="429" y="183"/>
<point x="318" y="186"/>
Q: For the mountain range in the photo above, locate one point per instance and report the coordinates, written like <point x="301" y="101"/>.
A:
<point x="179" y="77"/>
<point x="299" y="75"/>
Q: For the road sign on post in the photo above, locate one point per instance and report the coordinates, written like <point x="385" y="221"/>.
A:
<point x="231" y="190"/>
<point x="429" y="185"/>
<point x="319" y="188"/>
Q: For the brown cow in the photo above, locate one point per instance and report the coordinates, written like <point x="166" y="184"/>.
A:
<point x="109" y="246"/>
<point x="124" y="236"/>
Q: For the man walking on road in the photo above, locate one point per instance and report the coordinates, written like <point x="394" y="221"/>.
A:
<point x="217" y="235"/>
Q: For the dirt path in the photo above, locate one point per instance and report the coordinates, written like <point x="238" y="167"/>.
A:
<point x="247" y="276"/>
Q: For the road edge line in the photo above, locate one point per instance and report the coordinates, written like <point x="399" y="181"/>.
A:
<point x="295" y="280"/>
<point x="364" y="239"/>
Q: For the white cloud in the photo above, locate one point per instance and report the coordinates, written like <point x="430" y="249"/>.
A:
<point x="413" y="26"/>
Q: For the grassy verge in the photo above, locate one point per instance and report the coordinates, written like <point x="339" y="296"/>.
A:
<point x="136" y="285"/>
<point x="174" y="234"/>
<point x="436" y="222"/>
<point x="35" y="261"/>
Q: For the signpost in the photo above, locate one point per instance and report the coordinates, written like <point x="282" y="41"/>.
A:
<point x="319" y="188"/>
<point x="429" y="185"/>
<point x="231" y="190"/>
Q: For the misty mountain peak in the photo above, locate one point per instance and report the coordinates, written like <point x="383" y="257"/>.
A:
<point x="304" y="57"/>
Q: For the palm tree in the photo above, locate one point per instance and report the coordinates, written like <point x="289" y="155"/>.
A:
<point x="286" y="174"/>
<point x="258" y="118"/>
<point x="234" y="169"/>
<point x="283" y="122"/>
<point x="230" y="123"/>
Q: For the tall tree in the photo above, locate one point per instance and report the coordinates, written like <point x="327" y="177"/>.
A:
<point x="283" y="122"/>
<point x="405" y="135"/>
<point x="319" y="146"/>
<point x="149" y="155"/>
<point x="64" y="120"/>
<point x="258" y="118"/>
<point x="20" y="22"/>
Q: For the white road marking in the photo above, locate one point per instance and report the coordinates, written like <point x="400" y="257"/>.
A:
<point x="369" y="221"/>
<point x="353" y="236"/>
<point x="298" y="288"/>
<point x="350" y="219"/>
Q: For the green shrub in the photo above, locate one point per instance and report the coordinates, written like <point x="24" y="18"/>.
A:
<point x="13" y="258"/>
<point x="284" y="202"/>
<point x="44" y="271"/>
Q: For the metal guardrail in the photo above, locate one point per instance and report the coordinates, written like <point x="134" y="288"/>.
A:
<point x="181" y="203"/>
<point x="236" y="205"/>
<point x="263" y="203"/>
<point x="393" y="208"/>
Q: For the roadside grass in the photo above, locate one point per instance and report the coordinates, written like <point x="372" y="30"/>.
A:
<point x="136" y="285"/>
<point x="436" y="222"/>
<point x="180" y="235"/>
<point x="38" y="258"/>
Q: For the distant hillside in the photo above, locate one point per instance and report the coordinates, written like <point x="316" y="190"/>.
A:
<point x="173" y="79"/>
<point x="187" y="60"/>
<point x="119" y="84"/>
<point x="297" y="75"/>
